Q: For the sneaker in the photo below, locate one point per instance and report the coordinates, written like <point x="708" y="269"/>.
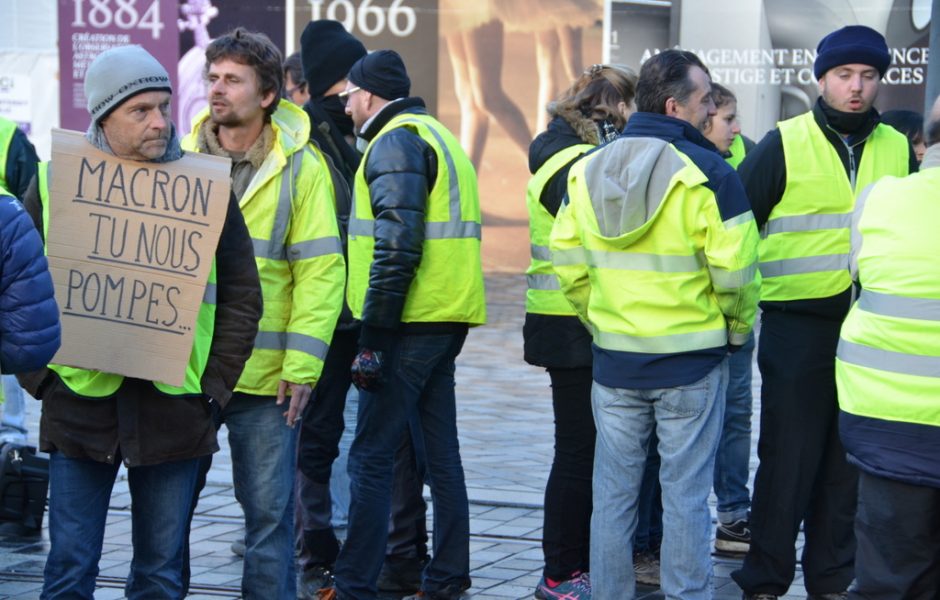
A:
<point x="576" y="588"/>
<point x="312" y="580"/>
<point x="646" y="568"/>
<point x="733" y="538"/>
<point x="238" y="547"/>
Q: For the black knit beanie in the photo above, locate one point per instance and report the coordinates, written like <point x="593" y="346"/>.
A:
<point x="382" y="73"/>
<point x="853" y="44"/>
<point x="327" y="51"/>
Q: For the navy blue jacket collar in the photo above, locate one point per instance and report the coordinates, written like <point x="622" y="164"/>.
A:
<point x="670" y="129"/>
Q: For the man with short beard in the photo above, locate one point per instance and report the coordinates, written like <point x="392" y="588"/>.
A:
<point x="802" y="181"/>
<point x="286" y="196"/>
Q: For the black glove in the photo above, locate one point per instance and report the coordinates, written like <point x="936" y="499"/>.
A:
<point x="367" y="370"/>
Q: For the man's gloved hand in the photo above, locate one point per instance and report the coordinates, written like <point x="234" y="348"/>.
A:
<point x="367" y="370"/>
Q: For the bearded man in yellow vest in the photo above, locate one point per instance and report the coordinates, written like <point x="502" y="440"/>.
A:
<point x="285" y="193"/>
<point x="888" y="377"/>
<point x="802" y="180"/>
<point x="93" y="421"/>
<point x="416" y="283"/>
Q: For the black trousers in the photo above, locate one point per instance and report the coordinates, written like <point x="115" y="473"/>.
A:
<point x="803" y="475"/>
<point x="566" y="533"/>
<point x="898" y="531"/>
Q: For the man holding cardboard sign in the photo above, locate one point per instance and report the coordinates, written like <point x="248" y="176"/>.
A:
<point x="286" y="195"/>
<point x="115" y="282"/>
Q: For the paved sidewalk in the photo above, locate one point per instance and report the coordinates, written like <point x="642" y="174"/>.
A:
<point x="505" y="422"/>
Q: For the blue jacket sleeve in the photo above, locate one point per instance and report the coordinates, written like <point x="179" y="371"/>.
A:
<point x="29" y="317"/>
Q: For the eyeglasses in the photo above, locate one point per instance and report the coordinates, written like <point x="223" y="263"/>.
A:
<point x="344" y="95"/>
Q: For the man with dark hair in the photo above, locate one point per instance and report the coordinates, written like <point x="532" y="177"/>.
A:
<point x="802" y="180"/>
<point x="416" y="283"/>
<point x="888" y="377"/>
<point x="93" y="421"/>
<point x="286" y="195"/>
<point x="656" y="218"/>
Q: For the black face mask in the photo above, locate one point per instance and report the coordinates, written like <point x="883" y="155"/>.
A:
<point x="335" y="109"/>
<point x="845" y="122"/>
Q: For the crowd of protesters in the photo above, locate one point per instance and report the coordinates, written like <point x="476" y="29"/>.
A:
<point x="659" y="234"/>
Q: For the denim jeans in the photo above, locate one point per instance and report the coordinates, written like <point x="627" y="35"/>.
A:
<point x="79" y="494"/>
<point x="263" y="460"/>
<point x="13" y="427"/>
<point x="688" y="422"/>
<point x="734" y="450"/>
<point x="419" y="377"/>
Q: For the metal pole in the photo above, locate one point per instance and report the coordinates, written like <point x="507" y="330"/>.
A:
<point x="933" y="65"/>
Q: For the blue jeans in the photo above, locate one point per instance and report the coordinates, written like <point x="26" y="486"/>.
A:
<point x="734" y="449"/>
<point x="13" y="427"/>
<point x="263" y="462"/>
<point x="649" y="525"/>
<point x="339" y="477"/>
<point x="79" y="494"/>
<point x="688" y="422"/>
<point x="419" y="377"/>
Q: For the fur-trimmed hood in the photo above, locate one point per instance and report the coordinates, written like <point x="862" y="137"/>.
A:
<point x="563" y="131"/>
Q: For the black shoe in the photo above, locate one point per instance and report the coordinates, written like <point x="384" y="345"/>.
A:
<point x="733" y="538"/>
<point x="831" y="596"/>
<point x="453" y="591"/>
<point x="746" y="596"/>
<point x="401" y="575"/>
<point x="312" y="581"/>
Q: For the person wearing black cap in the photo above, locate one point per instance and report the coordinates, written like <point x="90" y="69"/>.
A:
<point x="327" y="52"/>
<point x="802" y="180"/>
<point x="416" y="283"/>
<point x="93" y="421"/>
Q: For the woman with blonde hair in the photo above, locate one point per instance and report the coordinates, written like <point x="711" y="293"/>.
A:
<point x="593" y="111"/>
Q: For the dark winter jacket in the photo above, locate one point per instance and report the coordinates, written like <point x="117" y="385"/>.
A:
<point x="554" y="341"/>
<point x="29" y="317"/>
<point x="400" y="171"/>
<point x="764" y="174"/>
<point x="21" y="164"/>
<point x="139" y="423"/>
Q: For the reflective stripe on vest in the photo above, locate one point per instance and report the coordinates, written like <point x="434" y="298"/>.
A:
<point x="99" y="384"/>
<point x="448" y="284"/>
<point x="543" y="295"/>
<point x="804" y="245"/>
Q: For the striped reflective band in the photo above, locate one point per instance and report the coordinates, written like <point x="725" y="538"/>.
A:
<point x="540" y="252"/>
<point x="807" y="264"/>
<point x="732" y="279"/>
<point x="927" y="309"/>
<point x="745" y="217"/>
<point x="208" y="296"/>
<point x="454" y="228"/>
<point x="886" y="360"/>
<point x="542" y="282"/>
<point x="635" y="261"/>
<point x="281" y="340"/>
<point x="273" y="247"/>
<point x="314" y="248"/>
<point x="807" y="223"/>
<point x="662" y="344"/>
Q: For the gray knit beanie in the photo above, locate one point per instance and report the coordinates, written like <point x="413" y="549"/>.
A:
<point x="119" y="73"/>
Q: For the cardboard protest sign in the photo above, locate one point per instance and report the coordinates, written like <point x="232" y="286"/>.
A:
<point x="130" y="247"/>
